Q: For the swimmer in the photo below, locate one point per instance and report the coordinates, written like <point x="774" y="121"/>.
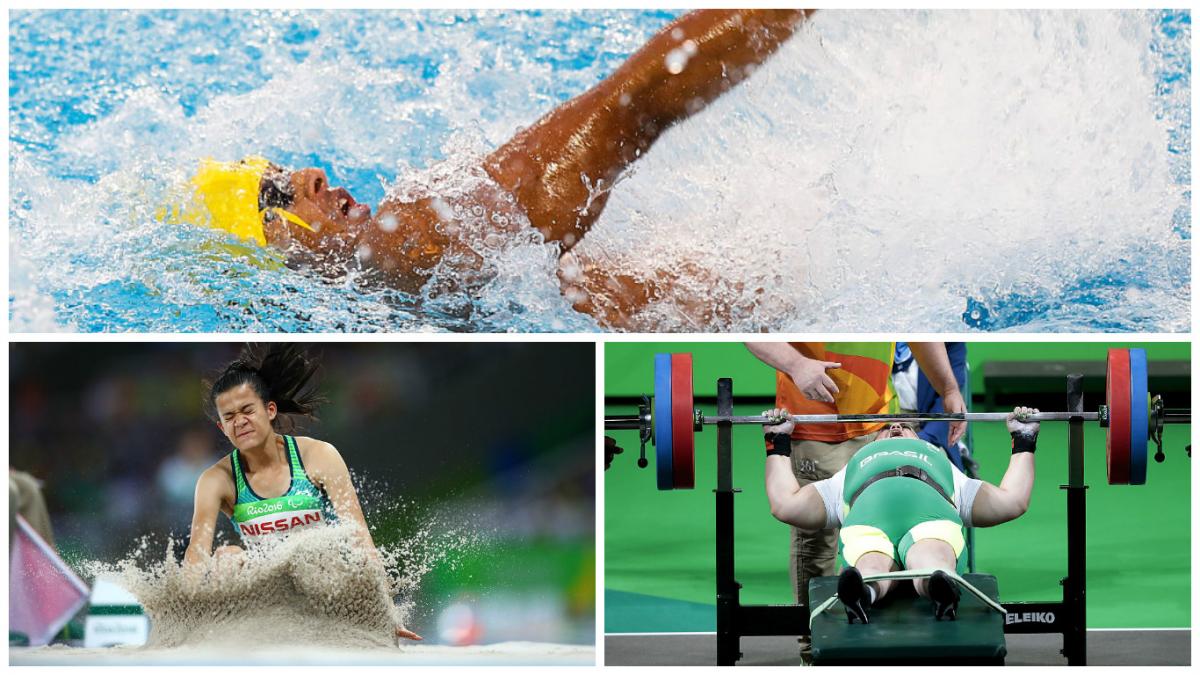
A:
<point x="555" y="174"/>
<point x="305" y="480"/>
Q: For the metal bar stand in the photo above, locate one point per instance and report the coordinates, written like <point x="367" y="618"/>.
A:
<point x="728" y="589"/>
<point x="1075" y="583"/>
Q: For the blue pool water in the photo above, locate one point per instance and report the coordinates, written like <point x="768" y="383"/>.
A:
<point x="922" y="171"/>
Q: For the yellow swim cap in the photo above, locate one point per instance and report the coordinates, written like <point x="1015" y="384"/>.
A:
<point x="229" y="190"/>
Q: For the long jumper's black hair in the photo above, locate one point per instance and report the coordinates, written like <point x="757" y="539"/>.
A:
<point x="276" y="371"/>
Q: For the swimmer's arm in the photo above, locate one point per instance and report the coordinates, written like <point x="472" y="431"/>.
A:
<point x="211" y="489"/>
<point x="726" y="46"/>
<point x="561" y="168"/>
<point x="1007" y="501"/>
<point x="613" y="297"/>
<point x="616" y="297"/>
<point x="800" y="507"/>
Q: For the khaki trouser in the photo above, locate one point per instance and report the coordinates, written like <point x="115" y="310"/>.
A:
<point x="814" y="554"/>
<point x="25" y="498"/>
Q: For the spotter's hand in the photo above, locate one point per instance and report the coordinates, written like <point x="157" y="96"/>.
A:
<point x="782" y="422"/>
<point x="611" y="449"/>
<point x="953" y="402"/>
<point x="811" y="379"/>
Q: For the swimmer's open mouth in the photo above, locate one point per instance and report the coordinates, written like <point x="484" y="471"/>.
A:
<point x="349" y="207"/>
<point x="344" y="201"/>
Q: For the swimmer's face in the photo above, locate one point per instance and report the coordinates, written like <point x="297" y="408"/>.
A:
<point x="244" y="418"/>
<point x="334" y="215"/>
<point x="897" y="430"/>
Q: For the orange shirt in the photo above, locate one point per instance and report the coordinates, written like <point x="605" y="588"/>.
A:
<point x="864" y="381"/>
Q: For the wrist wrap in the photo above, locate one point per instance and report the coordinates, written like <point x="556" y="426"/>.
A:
<point x="1023" y="443"/>
<point x="779" y="444"/>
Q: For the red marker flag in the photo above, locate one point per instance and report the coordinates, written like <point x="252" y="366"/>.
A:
<point x="43" y="593"/>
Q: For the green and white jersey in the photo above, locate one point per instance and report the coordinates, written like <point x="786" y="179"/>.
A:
<point x="890" y="453"/>
<point x="303" y="505"/>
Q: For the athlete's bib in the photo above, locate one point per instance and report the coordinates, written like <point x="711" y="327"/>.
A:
<point x="303" y="505"/>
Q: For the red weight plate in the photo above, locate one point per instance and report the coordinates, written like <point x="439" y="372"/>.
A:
<point x="1116" y="394"/>
<point x="682" y="422"/>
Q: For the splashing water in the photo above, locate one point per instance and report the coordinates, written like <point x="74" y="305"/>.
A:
<point x="998" y="170"/>
<point x="927" y="171"/>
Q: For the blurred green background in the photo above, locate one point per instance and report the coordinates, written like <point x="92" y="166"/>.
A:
<point x="478" y="459"/>
<point x="659" y="546"/>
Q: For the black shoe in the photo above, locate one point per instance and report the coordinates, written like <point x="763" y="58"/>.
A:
<point x="944" y="593"/>
<point x="854" y="594"/>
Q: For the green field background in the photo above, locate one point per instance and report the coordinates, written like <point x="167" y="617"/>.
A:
<point x="659" y="546"/>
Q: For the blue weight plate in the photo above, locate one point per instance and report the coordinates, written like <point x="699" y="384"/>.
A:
<point x="664" y="467"/>
<point x="1139" y="416"/>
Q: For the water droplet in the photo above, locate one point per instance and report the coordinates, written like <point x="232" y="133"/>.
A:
<point x="388" y="222"/>
<point x="575" y="295"/>
<point x="676" y="61"/>
<point x="442" y="209"/>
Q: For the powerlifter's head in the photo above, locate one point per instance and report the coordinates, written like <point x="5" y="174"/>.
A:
<point x="897" y="430"/>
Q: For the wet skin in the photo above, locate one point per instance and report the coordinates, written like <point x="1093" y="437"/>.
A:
<point x="594" y="136"/>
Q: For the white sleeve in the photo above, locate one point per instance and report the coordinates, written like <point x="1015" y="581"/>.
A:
<point x="830" y="490"/>
<point x="965" y="490"/>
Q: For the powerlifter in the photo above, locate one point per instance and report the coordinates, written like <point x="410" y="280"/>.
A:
<point x="900" y="504"/>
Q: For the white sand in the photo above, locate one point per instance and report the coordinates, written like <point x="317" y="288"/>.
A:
<point x="312" y="599"/>
<point x="314" y="588"/>
<point x="504" y="654"/>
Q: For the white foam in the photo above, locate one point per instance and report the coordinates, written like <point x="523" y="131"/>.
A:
<point x="886" y="164"/>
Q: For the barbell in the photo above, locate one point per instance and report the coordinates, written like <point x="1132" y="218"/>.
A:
<point x="1132" y="416"/>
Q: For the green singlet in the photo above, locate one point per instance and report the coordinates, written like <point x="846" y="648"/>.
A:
<point x="303" y="505"/>
<point x="898" y="504"/>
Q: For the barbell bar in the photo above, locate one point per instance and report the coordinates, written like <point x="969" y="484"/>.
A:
<point x="903" y="417"/>
<point x="633" y="422"/>
<point x="1131" y="414"/>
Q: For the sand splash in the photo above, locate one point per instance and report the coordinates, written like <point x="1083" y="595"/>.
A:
<point x="315" y="587"/>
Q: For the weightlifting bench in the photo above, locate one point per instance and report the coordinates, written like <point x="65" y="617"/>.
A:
<point x="903" y="631"/>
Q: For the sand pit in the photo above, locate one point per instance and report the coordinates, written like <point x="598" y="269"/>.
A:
<point x="312" y="599"/>
<point x="501" y="654"/>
